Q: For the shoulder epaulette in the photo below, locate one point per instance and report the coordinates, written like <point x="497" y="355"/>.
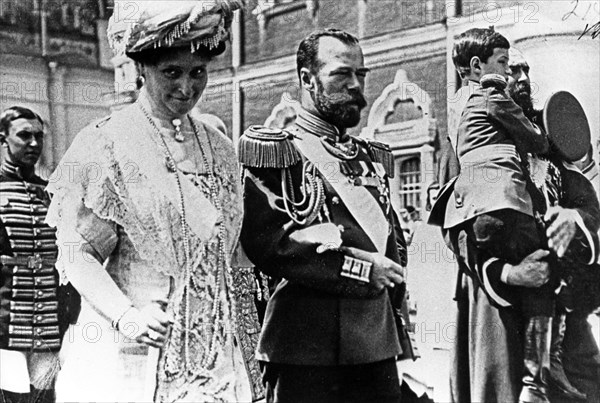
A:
<point x="263" y="147"/>
<point x="493" y="81"/>
<point x="379" y="152"/>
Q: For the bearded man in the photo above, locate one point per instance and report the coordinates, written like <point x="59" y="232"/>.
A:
<point x="577" y="351"/>
<point x="319" y="220"/>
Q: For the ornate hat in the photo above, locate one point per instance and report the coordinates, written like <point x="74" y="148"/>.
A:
<point x="137" y="26"/>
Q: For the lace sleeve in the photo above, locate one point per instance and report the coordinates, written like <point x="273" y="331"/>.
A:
<point x="100" y="234"/>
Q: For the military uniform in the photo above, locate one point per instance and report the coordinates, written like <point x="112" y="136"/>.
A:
<point x="494" y="208"/>
<point x="489" y="322"/>
<point x="31" y="319"/>
<point x="322" y="315"/>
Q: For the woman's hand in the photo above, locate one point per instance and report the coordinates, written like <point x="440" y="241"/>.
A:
<point x="149" y="325"/>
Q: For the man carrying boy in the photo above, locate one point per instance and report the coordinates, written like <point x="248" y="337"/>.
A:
<point x="495" y="212"/>
<point x="577" y="348"/>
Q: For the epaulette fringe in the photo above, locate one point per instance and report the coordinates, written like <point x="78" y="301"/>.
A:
<point x="263" y="147"/>
<point x="380" y="152"/>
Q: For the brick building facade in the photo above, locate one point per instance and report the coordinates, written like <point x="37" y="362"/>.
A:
<point x="54" y="59"/>
<point x="407" y="45"/>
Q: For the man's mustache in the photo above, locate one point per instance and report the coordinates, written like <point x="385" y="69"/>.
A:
<point x="521" y="88"/>
<point x="351" y="97"/>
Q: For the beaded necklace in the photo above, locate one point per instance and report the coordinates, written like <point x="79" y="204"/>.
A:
<point x="210" y="357"/>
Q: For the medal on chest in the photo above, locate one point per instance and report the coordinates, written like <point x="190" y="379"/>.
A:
<point x="368" y="174"/>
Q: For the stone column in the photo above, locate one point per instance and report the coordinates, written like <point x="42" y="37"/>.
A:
<point x="395" y="184"/>
<point x="104" y="52"/>
<point x="362" y="17"/>
<point x="428" y="175"/>
<point x="57" y="98"/>
<point x="126" y="91"/>
<point x="236" y="40"/>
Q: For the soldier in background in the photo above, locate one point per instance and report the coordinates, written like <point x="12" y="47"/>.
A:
<point x="32" y="321"/>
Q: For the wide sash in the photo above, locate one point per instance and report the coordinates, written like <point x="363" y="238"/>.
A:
<point x="359" y="202"/>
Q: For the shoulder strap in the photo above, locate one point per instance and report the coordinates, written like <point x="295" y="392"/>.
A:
<point x="379" y="152"/>
<point x="263" y="147"/>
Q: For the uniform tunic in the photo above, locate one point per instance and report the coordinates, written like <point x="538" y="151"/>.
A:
<point x="317" y="317"/>
<point x="29" y="314"/>
<point x="492" y="134"/>
<point x="487" y="361"/>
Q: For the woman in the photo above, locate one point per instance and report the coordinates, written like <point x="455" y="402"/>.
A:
<point x="149" y="200"/>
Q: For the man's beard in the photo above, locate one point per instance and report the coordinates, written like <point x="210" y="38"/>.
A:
<point x="520" y="92"/>
<point x="337" y="108"/>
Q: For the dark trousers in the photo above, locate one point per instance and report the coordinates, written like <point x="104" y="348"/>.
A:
<point x="375" y="382"/>
<point x="12" y="397"/>
<point x="35" y="396"/>
<point x="510" y="235"/>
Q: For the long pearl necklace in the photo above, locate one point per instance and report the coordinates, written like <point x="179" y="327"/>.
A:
<point x="210" y="357"/>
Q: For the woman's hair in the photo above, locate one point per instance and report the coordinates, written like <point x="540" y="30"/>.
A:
<point x="479" y="42"/>
<point x="153" y="56"/>
<point x="14" y="113"/>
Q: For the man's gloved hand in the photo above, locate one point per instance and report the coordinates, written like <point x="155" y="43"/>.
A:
<point x="493" y="80"/>
<point x="561" y="227"/>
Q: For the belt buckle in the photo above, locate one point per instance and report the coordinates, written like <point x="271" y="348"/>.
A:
<point x="34" y="262"/>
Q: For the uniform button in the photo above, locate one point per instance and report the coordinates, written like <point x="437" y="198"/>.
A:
<point x="40" y="305"/>
<point x="38" y="244"/>
<point x="38" y="343"/>
<point x="31" y="196"/>
<point x="38" y="330"/>
<point x="39" y="318"/>
<point x="40" y="293"/>
<point x="335" y="200"/>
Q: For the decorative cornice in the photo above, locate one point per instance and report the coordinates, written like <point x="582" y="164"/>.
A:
<point x="82" y="52"/>
<point x="407" y="45"/>
<point x="270" y="8"/>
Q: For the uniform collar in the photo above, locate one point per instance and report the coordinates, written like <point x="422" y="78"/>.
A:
<point x="12" y="170"/>
<point x="319" y="127"/>
<point x="472" y="84"/>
